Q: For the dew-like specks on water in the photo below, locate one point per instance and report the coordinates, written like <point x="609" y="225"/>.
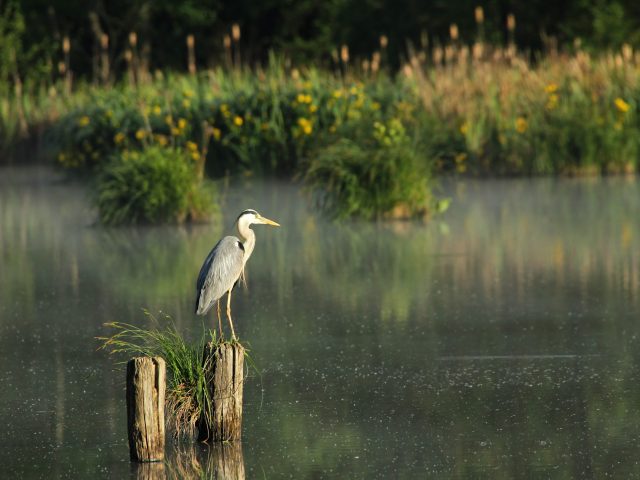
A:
<point x="498" y="341"/>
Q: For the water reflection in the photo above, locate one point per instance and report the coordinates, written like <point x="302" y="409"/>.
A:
<point x="221" y="461"/>
<point x="500" y="340"/>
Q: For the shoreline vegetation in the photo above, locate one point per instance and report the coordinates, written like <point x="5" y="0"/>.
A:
<point x="365" y="142"/>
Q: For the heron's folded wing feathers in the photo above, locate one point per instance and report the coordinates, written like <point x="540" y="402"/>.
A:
<point x="219" y="272"/>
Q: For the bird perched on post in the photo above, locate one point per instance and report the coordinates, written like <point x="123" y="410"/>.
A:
<point x="224" y="266"/>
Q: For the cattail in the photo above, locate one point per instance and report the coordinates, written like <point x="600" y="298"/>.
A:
<point x="344" y="54"/>
<point x="478" y="50"/>
<point x="226" y="41"/>
<point x="437" y="55"/>
<point x="449" y="53"/>
<point x="66" y="44"/>
<point x="424" y="39"/>
<point x="133" y="39"/>
<point x="627" y="52"/>
<point x="407" y="70"/>
<point x="191" y="54"/>
<point x="104" y="44"/>
<point x="453" y="31"/>
<point x="479" y="15"/>
<point x="511" y="22"/>
<point x="62" y="68"/>
<point x="365" y="65"/>
<point x="375" y="62"/>
<point x="384" y="41"/>
<point x="128" y="55"/>
<point x="295" y="74"/>
<point x="235" y="32"/>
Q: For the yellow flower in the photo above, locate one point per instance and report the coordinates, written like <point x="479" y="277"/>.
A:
<point x="337" y="93"/>
<point x="521" y="124"/>
<point x="182" y="123"/>
<point x="192" y="146"/>
<point x="552" y="102"/>
<point x="175" y="131"/>
<point x="300" y="98"/>
<point x="195" y="156"/>
<point x="157" y="110"/>
<point x="216" y="133"/>
<point x="187" y="93"/>
<point x="224" y="108"/>
<point x="237" y="120"/>
<point x="460" y="157"/>
<point x="313" y="108"/>
<point x="84" y="121"/>
<point x="305" y="125"/>
<point x="118" y="138"/>
<point x="621" y="105"/>
<point x="186" y="103"/>
<point x="551" y="88"/>
<point x="464" y="128"/>
<point x="140" y="134"/>
<point x="161" y="139"/>
<point x="375" y="106"/>
<point x="109" y="113"/>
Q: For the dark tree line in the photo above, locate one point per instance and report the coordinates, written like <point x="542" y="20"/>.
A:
<point x="31" y="31"/>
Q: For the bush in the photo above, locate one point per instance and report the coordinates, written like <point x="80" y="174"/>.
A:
<point x="379" y="175"/>
<point x="154" y="185"/>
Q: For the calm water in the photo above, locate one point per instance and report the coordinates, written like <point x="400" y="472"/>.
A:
<point x="501" y="341"/>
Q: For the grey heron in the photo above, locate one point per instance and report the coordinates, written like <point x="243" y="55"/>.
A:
<point x="225" y="264"/>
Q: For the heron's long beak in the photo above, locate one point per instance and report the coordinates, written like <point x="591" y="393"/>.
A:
<point x="268" y="222"/>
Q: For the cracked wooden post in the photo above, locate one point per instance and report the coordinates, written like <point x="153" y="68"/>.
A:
<point x="146" y="386"/>
<point x="224" y="370"/>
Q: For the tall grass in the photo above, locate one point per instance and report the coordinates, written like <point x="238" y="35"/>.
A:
<point x="187" y="394"/>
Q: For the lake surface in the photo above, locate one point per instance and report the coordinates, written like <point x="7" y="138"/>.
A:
<point x="501" y="340"/>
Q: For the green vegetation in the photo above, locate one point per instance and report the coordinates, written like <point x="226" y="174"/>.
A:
<point x="377" y="174"/>
<point x="365" y="142"/>
<point x="153" y="185"/>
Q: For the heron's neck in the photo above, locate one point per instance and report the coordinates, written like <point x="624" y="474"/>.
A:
<point x="248" y="239"/>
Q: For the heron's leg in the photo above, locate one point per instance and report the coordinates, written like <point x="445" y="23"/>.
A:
<point x="233" y="333"/>
<point x="219" y="319"/>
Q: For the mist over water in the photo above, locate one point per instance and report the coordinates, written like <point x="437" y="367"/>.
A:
<point x="499" y="340"/>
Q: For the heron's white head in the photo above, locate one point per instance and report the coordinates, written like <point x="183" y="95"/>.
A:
<point x="250" y="217"/>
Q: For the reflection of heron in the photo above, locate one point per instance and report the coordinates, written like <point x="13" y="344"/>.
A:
<point x="225" y="265"/>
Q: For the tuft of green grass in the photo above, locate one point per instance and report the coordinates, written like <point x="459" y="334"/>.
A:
<point x="188" y="397"/>
<point x="377" y="174"/>
<point x="154" y="185"/>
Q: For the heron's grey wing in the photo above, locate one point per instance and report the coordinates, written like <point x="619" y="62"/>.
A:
<point x="219" y="272"/>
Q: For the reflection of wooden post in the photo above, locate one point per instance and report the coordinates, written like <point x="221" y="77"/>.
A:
<point x="222" y="421"/>
<point x="145" y="408"/>
<point x="150" y="471"/>
<point x="227" y="461"/>
<point x="221" y="461"/>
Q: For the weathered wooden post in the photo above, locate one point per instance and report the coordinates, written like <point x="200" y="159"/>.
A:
<point x="224" y="370"/>
<point x="146" y="386"/>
